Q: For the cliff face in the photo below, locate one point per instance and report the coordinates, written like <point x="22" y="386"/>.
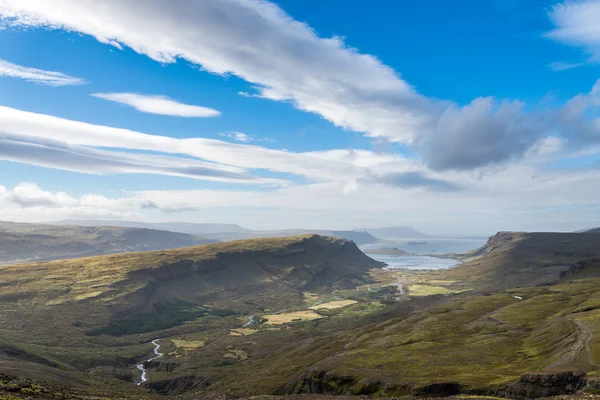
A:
<point x="500" y="239"/>
<point x="310" y="263"/>
<point x="513" y="259"/>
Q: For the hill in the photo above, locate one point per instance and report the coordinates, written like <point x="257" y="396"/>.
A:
<point x="512" y="259"/>
<point x="394" y="232"/>
<point x="182" y="227"/>
<point x="312" y="315"/>
<point x="28" y="242"/>
<point x="355" y="236"/>
<point x="594" y="230"/>
<point x="82" y="321"/>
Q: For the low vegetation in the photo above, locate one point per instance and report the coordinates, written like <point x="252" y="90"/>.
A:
<point x="325" y="319"/>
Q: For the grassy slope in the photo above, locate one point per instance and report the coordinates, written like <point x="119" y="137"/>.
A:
<point x="482" y="338"/>
<point x="512" y="259"/>
<point x="51" y="312"/>
<point x="476" y="338"/>
<point x="29" y="242"/>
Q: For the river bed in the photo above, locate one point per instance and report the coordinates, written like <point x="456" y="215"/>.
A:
<point x="144" y="376"/>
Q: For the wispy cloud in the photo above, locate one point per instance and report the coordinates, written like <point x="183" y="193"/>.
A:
<point x="564" y="66"/>
<point x="51" y="153"/>
<point x="156" y="104"/>
<point x="39" y="76"/>
<point x="32" y="126"/>
<point x="577" y="25"/>
<point x="245" y="138"/>
<point x="238" y="136"/>
<point x="320" y="75"/>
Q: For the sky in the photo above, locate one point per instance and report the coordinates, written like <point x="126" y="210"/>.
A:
<point x="454" y="118"/>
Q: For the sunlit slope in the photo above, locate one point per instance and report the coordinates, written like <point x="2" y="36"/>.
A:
<point x="512" y="259"/>
<point x="78" y="314"/>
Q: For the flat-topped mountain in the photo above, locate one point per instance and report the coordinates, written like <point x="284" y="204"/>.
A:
<point x="60" y="320"/>
<point x="21" y="242"/>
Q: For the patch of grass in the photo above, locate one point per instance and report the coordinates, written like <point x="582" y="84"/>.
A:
<point x="236" y="354"/>
<point x="243" y="332"/>
<point x="332" y="305"/>
<point x="188" y="345"/>
<point x="428" y="290"/>
<point x="284" y="318"/>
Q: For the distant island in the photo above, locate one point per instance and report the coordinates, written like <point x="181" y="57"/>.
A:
<point x="389" y="251"/>
<point x="394" y="232"/>
<point x="416" y="243"/>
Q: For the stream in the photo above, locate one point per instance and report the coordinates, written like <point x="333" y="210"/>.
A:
<point x="144" y="377"/>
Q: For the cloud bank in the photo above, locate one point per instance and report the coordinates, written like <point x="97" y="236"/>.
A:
<point x="286" y="60"/>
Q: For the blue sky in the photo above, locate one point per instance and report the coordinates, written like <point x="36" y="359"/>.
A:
<point x="454" y="118"/>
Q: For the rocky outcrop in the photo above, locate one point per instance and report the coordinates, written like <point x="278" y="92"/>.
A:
<point x="323" y="382"/>
<point x="160" y="366"/>
<point x="536" y="385"/>
<point x="441" y="389"/>
<point x="498" y="240"/>
<point x="590" y="266"/>
<point x="178" y="385"/>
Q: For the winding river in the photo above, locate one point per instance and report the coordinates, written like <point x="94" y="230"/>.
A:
<point x="144" y="377"/>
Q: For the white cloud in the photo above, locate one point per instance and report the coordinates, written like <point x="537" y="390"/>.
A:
<point x="577" y="25"/>
<point x="34" y="127"/>
<point x="61" y="155"/>
<point x="522" y="197"/>
<point x="162" y="105"/>
<point x="38" y="76"/>
<point x="284" y="59"/>
<point x="563" y="66"/>
<point x="239" y="136"/>
<point x="30" y="195"/>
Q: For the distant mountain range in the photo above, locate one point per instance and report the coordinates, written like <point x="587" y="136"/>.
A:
<point x="394" y="232"/>
<point x="593" y="230"/>
<point x="226" y="232"/>
<point x="182" y="227"/>
<point x="21" y="242"/>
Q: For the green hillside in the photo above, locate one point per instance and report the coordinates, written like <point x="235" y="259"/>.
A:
<point x="309" y="315"/>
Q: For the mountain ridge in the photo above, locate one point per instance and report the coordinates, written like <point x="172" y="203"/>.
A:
<point x="22" y="242"/>
<point x="227" y="232"/>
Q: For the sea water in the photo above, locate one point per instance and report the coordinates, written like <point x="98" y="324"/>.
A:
<point x="421" y="258"/>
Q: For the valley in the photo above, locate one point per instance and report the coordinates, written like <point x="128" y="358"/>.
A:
<point x="304" y="315"/>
